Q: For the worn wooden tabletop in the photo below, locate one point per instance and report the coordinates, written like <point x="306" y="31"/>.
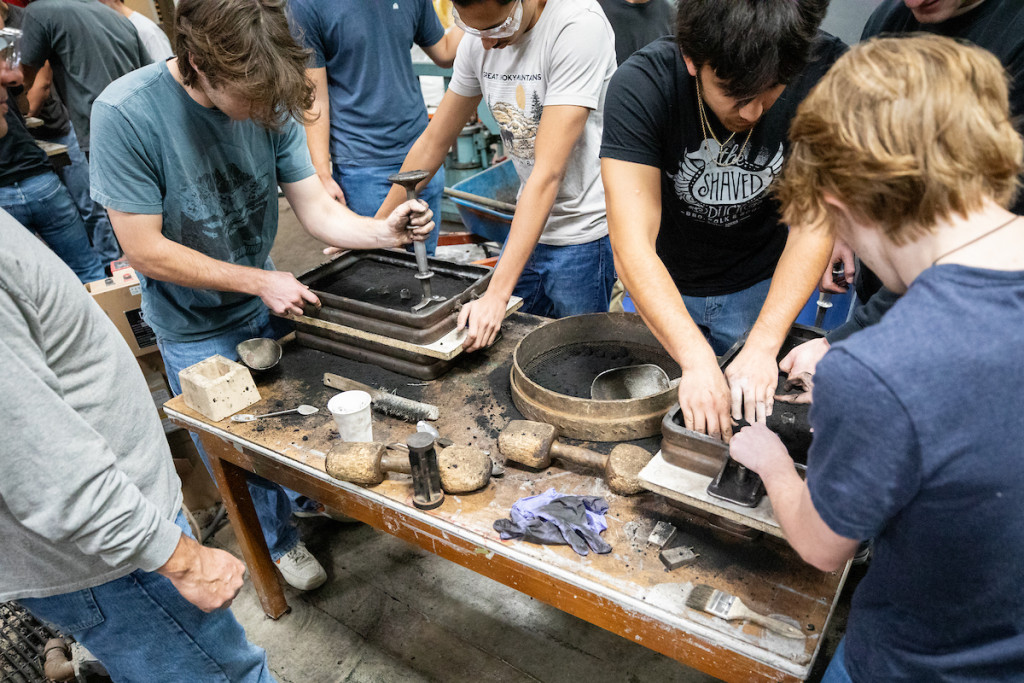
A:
<point x="475" y="404"/>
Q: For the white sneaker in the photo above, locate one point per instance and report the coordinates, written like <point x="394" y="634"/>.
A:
<point x="300" y="569"/>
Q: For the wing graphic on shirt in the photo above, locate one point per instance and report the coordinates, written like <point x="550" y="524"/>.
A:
<point x="719" y="189"/>
<point x="690" y="168"/>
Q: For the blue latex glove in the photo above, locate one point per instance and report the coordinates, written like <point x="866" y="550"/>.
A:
<point x="553" y="519"/>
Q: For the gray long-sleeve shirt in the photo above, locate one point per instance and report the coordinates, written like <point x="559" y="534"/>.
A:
<point x="88" y="491"/>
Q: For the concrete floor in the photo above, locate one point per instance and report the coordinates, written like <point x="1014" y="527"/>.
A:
<point x="391" y="612"/>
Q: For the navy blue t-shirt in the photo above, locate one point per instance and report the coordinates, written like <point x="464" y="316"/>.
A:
<point x="918" y="444"/>
<point x="377" y="109"/>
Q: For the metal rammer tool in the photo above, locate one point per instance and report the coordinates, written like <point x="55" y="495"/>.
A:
<point x="409" y="180"/>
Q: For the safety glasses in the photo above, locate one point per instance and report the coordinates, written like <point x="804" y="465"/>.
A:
<point x="505" y="29"/>
<point x="10" y="47"/>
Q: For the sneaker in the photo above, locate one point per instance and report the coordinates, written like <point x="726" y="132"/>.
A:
<point x="300" y="569"/>
<point x="322" y="510"/>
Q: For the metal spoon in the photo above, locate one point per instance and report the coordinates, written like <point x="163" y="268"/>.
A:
<point x="301" y="410"/>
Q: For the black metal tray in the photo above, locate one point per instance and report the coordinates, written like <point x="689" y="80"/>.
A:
<point x="388" y="318"/>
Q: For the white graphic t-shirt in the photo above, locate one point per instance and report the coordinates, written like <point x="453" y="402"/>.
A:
<point x="567" y="58"/>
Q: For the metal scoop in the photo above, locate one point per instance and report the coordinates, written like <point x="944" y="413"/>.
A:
<point x="301" y="410"/>
<point x="260" y="353"/>
<point x="631" y="381"/>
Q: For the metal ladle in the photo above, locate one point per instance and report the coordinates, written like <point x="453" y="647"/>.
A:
<point x="260" y="353"/>
<point x="631" y="381"/>
<point x="301" y="410"/>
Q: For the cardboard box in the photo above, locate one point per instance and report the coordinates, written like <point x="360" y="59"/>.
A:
<point x="196" y="484"/>
<point x="120" y="297"/>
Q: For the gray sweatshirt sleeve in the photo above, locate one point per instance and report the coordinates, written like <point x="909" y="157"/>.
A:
<point x="58" y="476"/>
<point x="865" y="316"/>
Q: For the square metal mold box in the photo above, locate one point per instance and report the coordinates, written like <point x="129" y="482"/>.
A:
<point x="375" y="291"/>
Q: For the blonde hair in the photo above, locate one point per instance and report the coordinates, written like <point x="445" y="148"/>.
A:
<point x="905" y="132"/>
<point x="245" y="48"/>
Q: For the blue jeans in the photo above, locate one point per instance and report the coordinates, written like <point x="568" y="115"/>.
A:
<point x="836" y="671"/>
<point x="724" y="319"/>
<point x="42" y="205"/>
<point x="142" y="629"/>
<point x="76" y="178"/>
<point x="365" y="188"/>
<point x="567" y="280"/>
<point x="274" y="503"/>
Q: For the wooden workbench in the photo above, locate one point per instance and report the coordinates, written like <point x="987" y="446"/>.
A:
<point x="628" y="591"/>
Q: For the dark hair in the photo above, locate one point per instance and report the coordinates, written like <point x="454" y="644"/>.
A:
<point x="245" y="47"/>
<point x="751" y="45"/>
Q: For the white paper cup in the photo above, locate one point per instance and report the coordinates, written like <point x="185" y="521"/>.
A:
<point x="351" y="410"/>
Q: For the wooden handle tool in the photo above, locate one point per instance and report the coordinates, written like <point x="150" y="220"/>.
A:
<point x="384" y="401"/>
<point x="721" y="604"/>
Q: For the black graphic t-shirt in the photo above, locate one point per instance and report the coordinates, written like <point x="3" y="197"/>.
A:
<point x="720" y="230"/>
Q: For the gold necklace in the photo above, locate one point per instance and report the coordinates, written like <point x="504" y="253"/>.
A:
<point x="705" y="128"/>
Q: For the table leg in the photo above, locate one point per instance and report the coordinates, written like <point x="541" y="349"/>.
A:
<point x="231" y="480"/>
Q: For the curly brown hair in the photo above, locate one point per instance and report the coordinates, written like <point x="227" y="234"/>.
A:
<point x="245" y="48"/>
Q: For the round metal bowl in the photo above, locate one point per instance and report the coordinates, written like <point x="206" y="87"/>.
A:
<point x="585" y="418"/>
<point x="260" y="353"/>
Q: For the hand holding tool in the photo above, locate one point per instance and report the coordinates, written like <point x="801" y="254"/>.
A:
<point x="301" y="410"/>
<point x="409" y="180"/>
<point x="825" y="298"/>
<point x="704" y="598"/>
<point x="535" y="444"/>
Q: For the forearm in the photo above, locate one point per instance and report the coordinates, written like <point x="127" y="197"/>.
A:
<point x="796" y="275"/>
<point x="633" y="197"/>
<point x="532" y="211"/>
<point x="28" y="76"/>
<point x="657" y="300"/>
<point x="168" y="261"/>
<point x="318" y="132"/>
<point x="443" y="52"/>
<point x="430" y="149"/>
<point x="40" y="90"/>
<point x="334" y="223"/>
<point x="338" y="226"/>
<point x="427" y="154"/>
<point x="806" y="532"/>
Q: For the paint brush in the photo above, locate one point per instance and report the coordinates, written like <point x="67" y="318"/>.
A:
<point x="704" y="598"/>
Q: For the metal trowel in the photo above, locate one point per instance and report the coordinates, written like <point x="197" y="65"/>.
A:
<point x="631" y="381"/>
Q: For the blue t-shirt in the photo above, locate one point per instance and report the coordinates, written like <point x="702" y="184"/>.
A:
<point x="918" y="444"/>
<point x="377" y="109"/>
<point x="214" y="181"/>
